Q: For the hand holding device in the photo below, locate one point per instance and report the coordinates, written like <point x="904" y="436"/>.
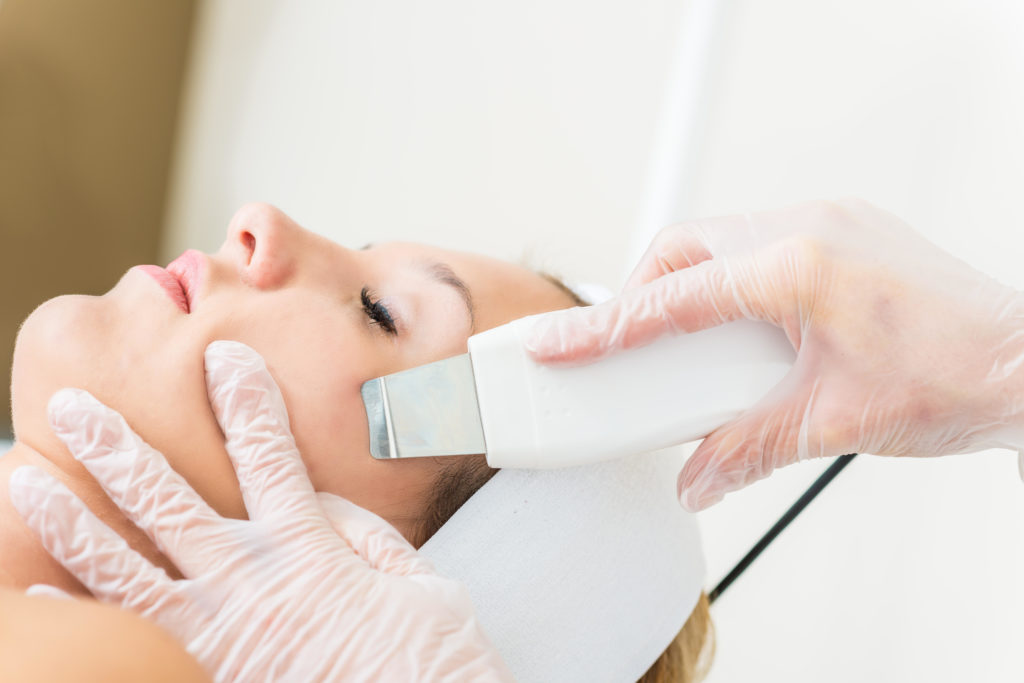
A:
<point x="902" y="349"/>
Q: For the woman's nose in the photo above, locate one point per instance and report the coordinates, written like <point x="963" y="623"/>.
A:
<point x="264" y="244"/>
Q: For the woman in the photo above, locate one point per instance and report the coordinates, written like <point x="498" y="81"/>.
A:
<point x="324" y="318"/>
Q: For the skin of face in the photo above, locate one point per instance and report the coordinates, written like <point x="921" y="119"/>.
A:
<point x="296" y="298"/>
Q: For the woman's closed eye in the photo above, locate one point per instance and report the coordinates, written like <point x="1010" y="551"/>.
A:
<point x="377" y="312"/>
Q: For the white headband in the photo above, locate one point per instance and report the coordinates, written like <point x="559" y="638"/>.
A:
<point x="580" y="574"/>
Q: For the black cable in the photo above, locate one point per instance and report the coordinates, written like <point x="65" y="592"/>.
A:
<point x="794" y="510"/>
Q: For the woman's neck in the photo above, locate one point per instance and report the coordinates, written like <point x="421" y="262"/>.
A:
<point x="23" y="560"/>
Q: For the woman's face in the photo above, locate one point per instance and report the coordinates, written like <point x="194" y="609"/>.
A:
<point x="325" y="319"/>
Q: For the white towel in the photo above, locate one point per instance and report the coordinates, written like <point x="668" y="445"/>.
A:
<point x="579" y="574"/>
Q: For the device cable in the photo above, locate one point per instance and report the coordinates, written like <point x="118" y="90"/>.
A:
<point x="794" y="510"/>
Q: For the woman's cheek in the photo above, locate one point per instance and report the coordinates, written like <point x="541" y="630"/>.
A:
<point x="325" y="412"/>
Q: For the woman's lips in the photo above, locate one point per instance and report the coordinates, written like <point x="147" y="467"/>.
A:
<point x="169" y="283"/>
<point x="181" y="279"/>
<point x="188" y="269"/>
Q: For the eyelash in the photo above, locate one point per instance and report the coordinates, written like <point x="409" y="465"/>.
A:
<point x="377" y="312"/>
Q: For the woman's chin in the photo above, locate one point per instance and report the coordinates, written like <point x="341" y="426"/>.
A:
<point x="52" y="343"/>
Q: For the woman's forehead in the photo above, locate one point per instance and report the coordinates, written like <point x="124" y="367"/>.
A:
<point x="479" y="272"/>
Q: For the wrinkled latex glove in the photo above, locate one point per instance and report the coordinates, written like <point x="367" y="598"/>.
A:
<point x="902" y="349"/>
<point x="310" y="588"/>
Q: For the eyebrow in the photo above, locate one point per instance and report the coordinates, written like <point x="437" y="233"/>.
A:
<point x="443" y="273"/>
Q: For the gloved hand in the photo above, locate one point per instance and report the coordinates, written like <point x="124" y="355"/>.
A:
<point x="902" y="349"/>
<point x="310" y="588"/>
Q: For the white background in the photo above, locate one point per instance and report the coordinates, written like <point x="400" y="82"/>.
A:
<point x="525" y="129"/>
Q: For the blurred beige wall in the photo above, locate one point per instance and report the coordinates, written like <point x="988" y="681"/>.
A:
<point x="88" y="104"/>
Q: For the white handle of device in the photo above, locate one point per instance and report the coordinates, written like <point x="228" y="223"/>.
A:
<point x="676" y="389"/>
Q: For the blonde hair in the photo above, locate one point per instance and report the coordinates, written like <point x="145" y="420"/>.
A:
<point x="688" y="657"/>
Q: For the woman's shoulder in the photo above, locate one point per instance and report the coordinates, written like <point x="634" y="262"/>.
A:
<point x="43" y="639"/>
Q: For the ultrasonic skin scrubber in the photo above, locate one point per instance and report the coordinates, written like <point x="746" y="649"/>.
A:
<point x="496" y="400"/>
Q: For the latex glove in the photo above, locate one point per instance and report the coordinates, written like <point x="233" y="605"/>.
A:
<point x="902" y="349"/>
<point x="284" y="596"/>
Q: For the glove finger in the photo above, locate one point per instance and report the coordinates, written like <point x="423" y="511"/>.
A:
<point x="43" y="590"/>
<point x="137" y="478"/>
<point x="253" y="416"/>
<point x="88" y="548"/>
<point x="684" y="301"/>
<point x="373" y="539"/>
<point x="774" y="434"/>
<point x="710" y="293"/>
<point x="674" y="248"/>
